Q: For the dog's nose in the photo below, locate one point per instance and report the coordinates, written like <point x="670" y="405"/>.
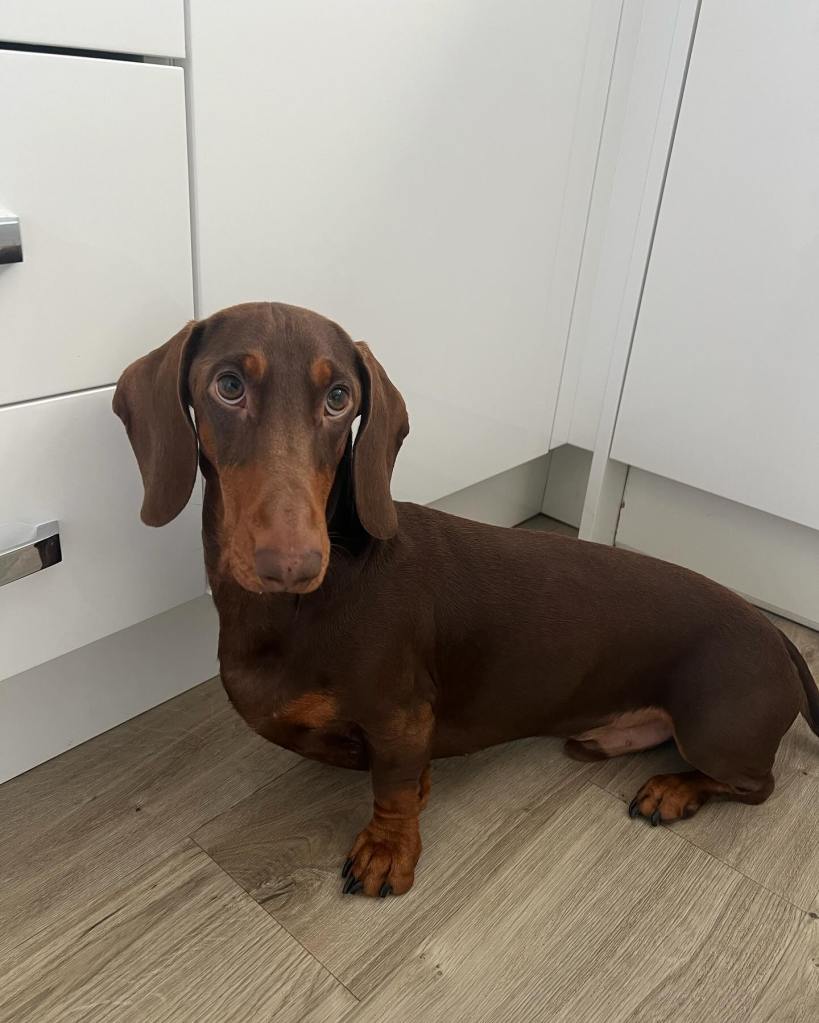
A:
<point x="287" y="569"/>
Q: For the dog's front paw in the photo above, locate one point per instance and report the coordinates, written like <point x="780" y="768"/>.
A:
<point x="382" y="860"/>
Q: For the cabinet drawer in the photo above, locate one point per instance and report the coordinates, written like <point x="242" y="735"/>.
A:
<point x="68" y="459"/>
<point x="94" y="164"/>
<point x="127" y="26"/>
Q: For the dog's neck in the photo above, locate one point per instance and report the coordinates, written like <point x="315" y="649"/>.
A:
<point x="343" y="525"/>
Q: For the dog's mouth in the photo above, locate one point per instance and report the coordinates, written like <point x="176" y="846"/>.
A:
<point x="263" y="585"/>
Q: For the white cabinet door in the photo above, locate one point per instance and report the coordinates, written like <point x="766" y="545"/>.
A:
<point x="419" y="172"/>
<point x="68" y="459"/>
<point x="93" y="160"/>
<point x="128" y="26"/>
<point x="721" y="390"/>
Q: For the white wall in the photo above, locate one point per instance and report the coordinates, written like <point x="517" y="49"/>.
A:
<point x="420" y="172"/>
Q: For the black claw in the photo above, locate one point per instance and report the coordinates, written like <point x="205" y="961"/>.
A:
<point x="634" y="808"/>
<point x="345" y="870"/>
<point x="357" y="887"/>
<point x="655" y="818"/>
<point x="348" y="885"/>
<point x="384" y="890"/>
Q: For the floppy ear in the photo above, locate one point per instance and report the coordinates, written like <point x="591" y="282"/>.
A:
<point x="384" y="425"/>
<point x="151" y="400"/>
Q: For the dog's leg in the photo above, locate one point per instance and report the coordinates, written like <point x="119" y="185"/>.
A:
<point x="383" y="857"/>
<point x="728" y="712"/>
<point x="732" y="751"/>
<point x="630" y="732"/>
<point x="733" y="758"/>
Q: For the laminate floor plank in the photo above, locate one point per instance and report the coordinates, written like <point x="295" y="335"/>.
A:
<point x="93" y="814"/>
<point x="285" y="845"/>
<point x="544" y="524"/>
<point x="175" y="942"/>
<point x="593" y="919"/>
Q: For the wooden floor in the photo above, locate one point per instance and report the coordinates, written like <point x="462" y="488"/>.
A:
<point x="181" y="869"/>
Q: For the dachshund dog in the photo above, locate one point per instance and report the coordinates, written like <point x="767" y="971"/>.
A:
<point x="379" y="635"/>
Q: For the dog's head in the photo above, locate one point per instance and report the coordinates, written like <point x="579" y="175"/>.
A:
<point x="274" y="390"/>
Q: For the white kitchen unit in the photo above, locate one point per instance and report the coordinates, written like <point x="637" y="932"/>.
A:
<point x="653" y="44"/>
<point x="155" y="27"/>
<point x="63" y="702"/>
<point x="722" y="384"/>
<point x="65" y="459"/>
<point x="769" y="560"/>
<point x="95" y="167"/>
<point x="422" y="174"/>
<point x="694" y="322"/>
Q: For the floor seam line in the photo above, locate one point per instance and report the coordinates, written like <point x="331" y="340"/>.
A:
<point x="275" y="919"/>
<point x="713" y="856"/>
<point x="247" y="795"/>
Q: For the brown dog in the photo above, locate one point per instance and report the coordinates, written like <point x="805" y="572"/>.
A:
<point x="377" y="635"/>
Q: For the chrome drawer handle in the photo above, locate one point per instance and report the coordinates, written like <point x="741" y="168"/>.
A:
<point x="11" y="243"/>
<point x="28" y="549"/>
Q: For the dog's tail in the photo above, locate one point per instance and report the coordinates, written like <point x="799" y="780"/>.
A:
<point x="811" y="712"/>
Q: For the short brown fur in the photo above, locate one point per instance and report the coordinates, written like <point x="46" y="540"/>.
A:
<point x="419" y="634"/>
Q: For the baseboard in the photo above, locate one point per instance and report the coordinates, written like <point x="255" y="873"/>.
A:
<point x="57" y="705"/>
<point x="566" y="484"/>
<point x="769" y="560"/>
<point x="507" y="499"/>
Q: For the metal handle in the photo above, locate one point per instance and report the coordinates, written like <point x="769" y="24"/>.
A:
<point x="39" y="548"/>
<point x="11" y="242"/>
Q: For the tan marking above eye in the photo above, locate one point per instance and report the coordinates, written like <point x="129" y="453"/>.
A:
<point x="321" y="372"/>
<point x="254" y="364"/>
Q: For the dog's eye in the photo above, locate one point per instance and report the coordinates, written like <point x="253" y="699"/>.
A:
<point x="230" y="388"/>
<point x="338" y="398"/>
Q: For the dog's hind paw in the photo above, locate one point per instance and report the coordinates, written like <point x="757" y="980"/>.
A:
<point x="672" y="797"/>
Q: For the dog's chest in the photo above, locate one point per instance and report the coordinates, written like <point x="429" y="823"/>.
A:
<point x="311" y="722"/>
<point x="309" y="725"/>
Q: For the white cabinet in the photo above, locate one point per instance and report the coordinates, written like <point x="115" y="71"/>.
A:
<point x="94" y="163"/>
<point x="420" y="173"/>
<point x="721" y="389"/>
<point x="68" y="459"/>
<point x="129" y="26"/>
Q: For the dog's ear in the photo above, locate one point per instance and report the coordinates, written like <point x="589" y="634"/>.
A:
<point x="384" y="425"/>
<point x="151" y="399"/>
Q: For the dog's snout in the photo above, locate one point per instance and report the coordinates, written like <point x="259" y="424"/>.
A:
<point x="287" y="569"/>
